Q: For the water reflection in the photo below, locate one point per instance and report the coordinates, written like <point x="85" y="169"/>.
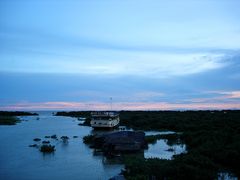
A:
<point x="226" y="176"/>
<point x="152" y="133"/>
<point x="162" y="150"/>
<point x="71" y="160"/>
<point x="48" y="156"/>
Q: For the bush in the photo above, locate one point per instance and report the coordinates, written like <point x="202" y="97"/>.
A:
<point x="47" y="148"/>
<point x="8" y="120"/>
<point x="89" y="139"/>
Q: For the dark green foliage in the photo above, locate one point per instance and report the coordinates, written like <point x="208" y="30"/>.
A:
<point x="151" y="139"/>
<point x="172" y="138"/>
<point x="212" y="139"/>
<point x="33" y="145"/>
<point x="65" y="139"/>
<point x="8" y="120"/>
<point x="54" y="136"/>
<point x="89" y="139"/>
<point x="86" y="114"/>
<point x="47" y="148"/>
<point x="176" y="120"/>
<point x="17" y="113"/>
<point x="9" y="117"/>
<point x="86" y="122"/>
<point x="183" y="167"/>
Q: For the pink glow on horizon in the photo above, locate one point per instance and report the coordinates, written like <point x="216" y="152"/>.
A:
<point x="224" y="96"/>
<point x="227" y="94"/>
<point x="118" y="106"/>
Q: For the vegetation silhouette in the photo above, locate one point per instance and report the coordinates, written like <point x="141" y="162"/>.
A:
<point x="17" y="113"/>
<point x="9" y="117"/>
<point x="212" y="140"/>
<point x="8" y="120"/>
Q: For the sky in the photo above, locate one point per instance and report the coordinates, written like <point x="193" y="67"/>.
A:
<point x="142" y="54"/>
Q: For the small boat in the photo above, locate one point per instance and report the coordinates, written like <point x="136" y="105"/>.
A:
<point x="104" y="119"/>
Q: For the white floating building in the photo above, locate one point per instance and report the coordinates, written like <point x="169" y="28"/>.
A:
<point x="104" y="119"/>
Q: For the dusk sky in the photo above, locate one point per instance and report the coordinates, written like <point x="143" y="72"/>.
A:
<point x="146" y="55"/>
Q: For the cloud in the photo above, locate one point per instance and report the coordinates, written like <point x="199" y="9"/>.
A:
<point x="146" y="96"/>
<point x="126" y="95"/>
<point x="32" y="38"/>
<point x="218" y="96"/>
<point x="160" y="65"/>
<point x="227" y="94"/>
<point x="33" y="50"/>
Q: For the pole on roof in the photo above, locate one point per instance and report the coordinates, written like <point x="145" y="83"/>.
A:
<point x="111" y="102"/>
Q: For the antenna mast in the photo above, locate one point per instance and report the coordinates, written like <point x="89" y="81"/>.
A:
<point x="111" y="102"/>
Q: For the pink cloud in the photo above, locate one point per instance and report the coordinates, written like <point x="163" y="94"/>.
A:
<point x="226" y="94"/>
<point x="117" y="106"/>
<point x="221" y="96"/>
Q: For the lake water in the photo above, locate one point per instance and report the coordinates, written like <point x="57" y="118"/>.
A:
<point x="72" y="160"/>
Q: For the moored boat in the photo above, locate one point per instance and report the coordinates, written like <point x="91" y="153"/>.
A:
<point x="104" y="119"/>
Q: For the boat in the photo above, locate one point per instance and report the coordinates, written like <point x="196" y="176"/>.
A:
<point x="104" y="119"/>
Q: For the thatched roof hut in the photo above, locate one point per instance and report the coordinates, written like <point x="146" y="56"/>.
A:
<point x="122" y="141"/>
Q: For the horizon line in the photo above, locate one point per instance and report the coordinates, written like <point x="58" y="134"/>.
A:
<point x="119" y="106"/>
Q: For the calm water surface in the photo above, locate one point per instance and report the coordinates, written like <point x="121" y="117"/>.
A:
<point x="72" y="160"/>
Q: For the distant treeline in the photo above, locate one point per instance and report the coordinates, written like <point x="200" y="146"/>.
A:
<point x="165" y="120"/>
<point x="8" y="120"/>
<point x="85" y="114"/>
<point x="17" y="113"/>
<point x="9" y="117"/>
<point x="212" y="139"/>
<point x="177" y="120"/>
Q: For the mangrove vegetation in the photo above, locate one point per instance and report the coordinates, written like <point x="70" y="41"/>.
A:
<point x="8" y="120"/>
<point x="212" y="140"/>
<point x="9" y="117"/>
<point x="17" y="113"/>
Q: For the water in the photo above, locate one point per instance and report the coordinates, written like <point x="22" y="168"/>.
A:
<point x="152" y="133"/>
<point x="163" y="151"/>
<point x="72" y="160"/>
<point x="226" y="176"/>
